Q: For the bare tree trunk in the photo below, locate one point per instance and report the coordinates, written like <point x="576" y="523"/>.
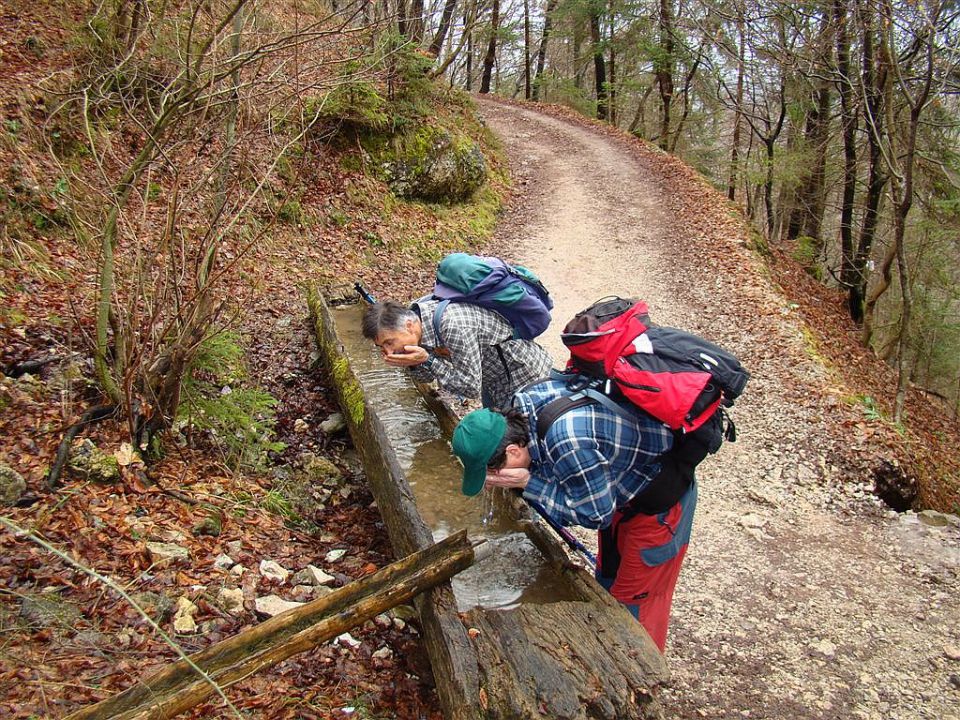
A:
<point x="599" y="66"/>
<point x="806" y="217"/>
<point x="663" y="68"/>
<point x="470" y="61"/>
<point x="848" y="118"/>
<point x="415" y="23"/>
<point x="738" y="113"/>
<point x="579" y="68"/>
<point x="903" y="196"/>
<point x="639" y="117"/>
<point x="612" y="74"/>
<point x="526" y="50"/>
<point x="402" y="17"/>
<point x="770" y="144"/>
<point x="687" y="82"/>
<point x="542" y="52"/>
<point x="874" y="81"/>
<point x="437" y="43"/>
<point x="491" y="55"/>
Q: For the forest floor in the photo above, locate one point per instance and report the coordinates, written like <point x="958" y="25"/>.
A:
<point x="801" y="595"/>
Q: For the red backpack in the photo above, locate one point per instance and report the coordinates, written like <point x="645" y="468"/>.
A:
<point x="677" y="377"/>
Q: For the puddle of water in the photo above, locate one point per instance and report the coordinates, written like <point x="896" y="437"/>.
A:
<point x="516" y="571"/>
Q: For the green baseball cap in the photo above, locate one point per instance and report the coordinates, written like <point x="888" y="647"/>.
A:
<point x="474" y="442"/>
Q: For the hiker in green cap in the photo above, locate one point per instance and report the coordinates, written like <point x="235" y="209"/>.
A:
<point x="469" y="350"/>
<point x="596" y="468"/>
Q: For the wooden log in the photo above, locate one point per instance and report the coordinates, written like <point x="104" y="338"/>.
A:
<point x="565" y="660"/>
<point x="513" y="663"/>
<point x="177" y="687"/>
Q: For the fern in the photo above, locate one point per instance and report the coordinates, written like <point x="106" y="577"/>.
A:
<point x="240" y="419"/>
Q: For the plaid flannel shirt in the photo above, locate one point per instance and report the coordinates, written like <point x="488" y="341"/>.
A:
<point x="592" y="460"/>
<point x="475" y="338"/>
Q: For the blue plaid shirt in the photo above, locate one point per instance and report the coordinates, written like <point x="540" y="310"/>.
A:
<point x="592" y="460"/>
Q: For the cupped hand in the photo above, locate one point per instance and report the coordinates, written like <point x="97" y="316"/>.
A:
<point x="508" y="478"/>
<point x="411" y="355"/>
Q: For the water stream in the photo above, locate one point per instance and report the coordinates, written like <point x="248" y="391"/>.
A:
<point x="516" y="572"/>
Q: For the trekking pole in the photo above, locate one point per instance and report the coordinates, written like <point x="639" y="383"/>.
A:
<point x="567" y="536"/>
<point x="364" y="293"/>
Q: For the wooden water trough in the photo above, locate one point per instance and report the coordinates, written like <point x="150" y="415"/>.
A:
<point x="585" y="658"/>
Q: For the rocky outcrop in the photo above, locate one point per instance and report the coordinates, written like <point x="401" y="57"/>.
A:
<point x="435" y="164"/>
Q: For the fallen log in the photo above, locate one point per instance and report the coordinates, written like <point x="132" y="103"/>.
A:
<point x="580" y="659"/>
<point x="178" y="687"/>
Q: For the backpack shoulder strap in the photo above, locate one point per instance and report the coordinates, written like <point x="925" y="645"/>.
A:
<point x="549" y="413"/>
<point x="437" y="316"/>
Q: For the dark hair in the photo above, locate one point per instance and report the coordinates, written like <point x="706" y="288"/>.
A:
<point x="517" y="433"/>
<point x="386" y="315"/>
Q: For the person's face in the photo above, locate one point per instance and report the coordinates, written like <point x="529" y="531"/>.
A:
<point x="394" y="342"/>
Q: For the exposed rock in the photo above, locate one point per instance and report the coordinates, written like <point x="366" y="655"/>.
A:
<point x="223" y="562"/>
<point x="274" y="571"/>
<point x="384" y="653"/>
<point x="272" y="605"/>
<point x="172" y="535"/>
<point x="319" y="471"/>
<point x="12" y="485"/>
<point x="933" y="518"/>
<point x="231" y="600"/>
<point x="91" y="463"/>
<point x="300" y="426"/>
<point x="752" y="520"/>
<point x="404" y="612"/>
<point x="211" y="525"/>
<point x="952" y="652"/>
<point x="333" y="424"/>
<point x="234" y="547"/>
<point x="312" y="575"/>
<point x="824" y="647"/>
<point x="436" y="165"/>
<point x="348" y="640"/>
<point x="183" y="621"/>
<point x="335" y="555"/>
<point x="163" y="554"/>
<point x="304" y="593"/>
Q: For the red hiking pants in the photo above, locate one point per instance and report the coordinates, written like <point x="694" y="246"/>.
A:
<point x="651" y="550"/>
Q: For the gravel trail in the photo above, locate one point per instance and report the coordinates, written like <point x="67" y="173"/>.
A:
<point x="801" y="596"/>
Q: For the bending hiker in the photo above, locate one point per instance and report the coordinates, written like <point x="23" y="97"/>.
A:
<point x="597" y="468"/>
<point x="473" y="352"/>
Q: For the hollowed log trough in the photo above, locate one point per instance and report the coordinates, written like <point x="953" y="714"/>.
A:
<point x="587" y="658"/>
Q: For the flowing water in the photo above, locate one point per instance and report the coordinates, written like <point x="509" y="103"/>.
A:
<point x="516" y="571"/>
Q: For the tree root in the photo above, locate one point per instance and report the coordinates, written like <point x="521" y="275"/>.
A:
<point x="28" y="366"/>
<point x="94" y="414"/>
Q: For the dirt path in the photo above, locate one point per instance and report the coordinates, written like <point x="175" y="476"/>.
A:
<point x="800" y="596"/>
